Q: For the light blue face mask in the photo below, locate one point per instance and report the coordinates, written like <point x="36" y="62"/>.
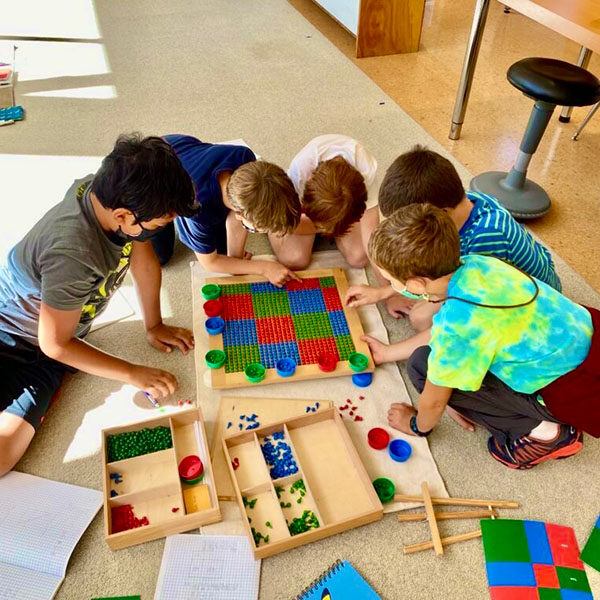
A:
<point x="404" y="292"/>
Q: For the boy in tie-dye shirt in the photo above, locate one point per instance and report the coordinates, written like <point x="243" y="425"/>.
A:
<point x="503" y="346"/>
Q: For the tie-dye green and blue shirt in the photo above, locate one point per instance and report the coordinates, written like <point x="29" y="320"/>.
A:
<point x="527" y="348"/>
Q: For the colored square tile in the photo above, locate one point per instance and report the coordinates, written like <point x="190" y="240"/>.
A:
<point x="263" y="287"/>
<point x="271" y="353"/>
<point x="306" y="301"/>
<point x="339" y="325"/>
<point x="545" y="576"/>
<point x="270" y="330"/>
<point x="235" y="289"/>
<point x="549" y="594"/>
<point x="573" y="579"/>
<point x="591" y="550"/>
<point x="239" y="357"/>
<point x="345" y="346"/>
<point x="563" y="543"/>
<point x="504" y="540"/>
<point x="237" y="307"/>
<point x="513" y="593"/>
<point x="510" y="573"/>
<point x="310" y="349"/>
<point x="537" y="540"/>
<point x="240" y="332"/>
<point x="305" y="284"/>
<point x="332" y="299"/>
<point x="271" y="304"/>
<point x="327" y="282"/>
<point x="575" y="595"/>
<point x="312" y="326"/>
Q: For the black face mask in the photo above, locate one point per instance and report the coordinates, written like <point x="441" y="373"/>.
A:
<point x="143" y="236"/>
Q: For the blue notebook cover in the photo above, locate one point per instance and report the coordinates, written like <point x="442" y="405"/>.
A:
<point x="341" y="582"/>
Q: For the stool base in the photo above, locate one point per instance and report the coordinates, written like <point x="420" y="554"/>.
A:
<point x="528" y="202"/>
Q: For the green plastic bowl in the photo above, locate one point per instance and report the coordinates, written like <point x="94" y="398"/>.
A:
<point x="358" y="362"/>
<point x="211" y="291"/>
<point x="215" y="358"/>
<point x="385" y="489"/>
<point x="255" y="372"/>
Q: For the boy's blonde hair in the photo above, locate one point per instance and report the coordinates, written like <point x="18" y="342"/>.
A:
<point x="335" y="196"/>
<point x="262" y="193"/>
<point x="418" y="240"/>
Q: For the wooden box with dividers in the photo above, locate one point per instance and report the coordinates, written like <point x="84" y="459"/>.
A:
<point x="298" y="481"/>
<point x="157" y="479"/>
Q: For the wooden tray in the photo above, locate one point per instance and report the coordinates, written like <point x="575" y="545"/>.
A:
<point x="151" y="483"/>
<point x="338" y="489"/>
<point x="222" y="380"/>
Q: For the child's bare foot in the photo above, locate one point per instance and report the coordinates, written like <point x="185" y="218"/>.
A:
<point x="462" y="421"/>
<point x="379" y="350"/>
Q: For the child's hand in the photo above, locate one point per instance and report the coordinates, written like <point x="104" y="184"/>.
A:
<point x="155" y="382"/>
<point x="165" y="338"/>
<point x="278" y="274"/>
<point x="398" y="306"/>
<point x="379" y="350"/>
<point x="399" y="417"/>
<point x="458" y="418"/>
<point x="359" y="295"/>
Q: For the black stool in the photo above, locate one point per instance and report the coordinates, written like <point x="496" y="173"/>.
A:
<point x="550" y="83"/>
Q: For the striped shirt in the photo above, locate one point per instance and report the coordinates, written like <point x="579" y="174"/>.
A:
<point x="490" y="229"/>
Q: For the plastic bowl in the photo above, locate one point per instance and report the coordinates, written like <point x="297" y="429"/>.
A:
<point x="211" y="291"/>
<point x="362" y="380"/>
<point x="358" y="361"/>
<point x="190" y="468"/>
<point x="213" y="308"/>
<point x="400" y="450"/>
<point x="385" y="489"/>
<point x="378" y="438"/>
<point x="214" y="325"/>
<point x="286" y="367"/>
<point x="215" y="359"/>
<point x="255" y="372"/>
<point x="327" y="361"/>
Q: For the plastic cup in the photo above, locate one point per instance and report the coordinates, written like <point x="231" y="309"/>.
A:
<point x="327" y="361"/>
<point x="213" y="308"/>
<point x="362" y="380"/>
<point x="211" y="291"/>
<point x="255" y="372"/>
<point x="214" y="325"/>
<point x="190" y="468"/>
<point x="400" y="450"/>
<point x="385" y="489"/>
<point x="215" y="359"/>
<point x="286" y="367"/>
<point x="358" y="361"/>
<point x="378" y="438"/>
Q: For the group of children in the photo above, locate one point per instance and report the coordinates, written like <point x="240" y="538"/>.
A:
<point x="496" y="343"/>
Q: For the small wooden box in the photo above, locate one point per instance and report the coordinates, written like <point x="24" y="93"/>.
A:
<point x="151" y="484"/>
<point x="338" y="490"/>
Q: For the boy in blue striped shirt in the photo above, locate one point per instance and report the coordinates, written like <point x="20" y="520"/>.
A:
<point x="484" y="227"/>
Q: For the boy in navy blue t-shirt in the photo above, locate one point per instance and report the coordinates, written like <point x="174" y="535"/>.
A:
<point x="236" y="194"/>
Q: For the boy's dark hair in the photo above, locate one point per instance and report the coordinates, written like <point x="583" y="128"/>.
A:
<point x="335" y="197"/>
<point x="419" y="240"/>
<point x="145" y="176"/>
<point x="417" y="177"/>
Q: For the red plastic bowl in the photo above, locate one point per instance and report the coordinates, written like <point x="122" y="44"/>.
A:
<point x="191" y="467"/>
<point x="213" y="308"/>
<point x="327" y="361"/>
<point x="378" y="438"/>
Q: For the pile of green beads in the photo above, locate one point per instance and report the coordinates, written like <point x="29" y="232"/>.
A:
<point x="327" y="282"/>
<point x="136" y="443"/>
<point x="307" y="521"/>
<point x="345" y="346"/>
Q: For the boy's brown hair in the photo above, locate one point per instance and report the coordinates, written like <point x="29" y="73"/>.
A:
<point x="419" y="240"/>
<point x="420" y="176"/>
<point x="335" y="197"/>
<point x="262" y="193"/>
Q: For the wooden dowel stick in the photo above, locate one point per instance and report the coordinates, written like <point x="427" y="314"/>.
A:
<point x="435" y="532"/>
<point x="454" y="539"/>
<point x="458" y="501"/>
<point x="447" y="515"/>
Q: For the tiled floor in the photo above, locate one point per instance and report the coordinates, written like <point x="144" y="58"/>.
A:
<point x="424" y="85"/>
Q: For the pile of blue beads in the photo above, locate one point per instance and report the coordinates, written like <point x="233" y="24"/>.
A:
<point x="278" y="455"/>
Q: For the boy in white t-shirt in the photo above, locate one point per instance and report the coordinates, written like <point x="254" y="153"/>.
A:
<point x="332" y="175"/>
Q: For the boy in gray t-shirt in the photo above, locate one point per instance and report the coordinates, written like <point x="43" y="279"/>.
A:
<point x="61" y="275"/>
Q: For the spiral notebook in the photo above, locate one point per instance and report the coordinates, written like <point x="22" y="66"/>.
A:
<point x="340" y="582"/>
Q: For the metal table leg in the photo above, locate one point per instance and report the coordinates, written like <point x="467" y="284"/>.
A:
<point x="582" y="61"/>
<point x="468" y="69"/>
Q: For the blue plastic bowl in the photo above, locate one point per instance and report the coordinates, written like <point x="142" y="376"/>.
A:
<point x="286" y="367"/>
<point x="362" y="380"/>
<point x="400" y="450"/>
<point x="214" y="325"/>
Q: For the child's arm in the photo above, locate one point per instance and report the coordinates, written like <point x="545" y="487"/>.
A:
<point x="383" y="353"/>
<point x="55" y="336"/>
<point x="147" y="276"/>
<point x="432" y="403"/>
<point x="275" y="272"/>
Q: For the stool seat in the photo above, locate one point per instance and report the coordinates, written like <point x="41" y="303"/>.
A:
<point x="554" y="81"/>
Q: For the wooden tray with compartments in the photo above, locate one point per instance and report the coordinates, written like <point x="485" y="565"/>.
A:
<point x="334" y="494"/>
<point x="151" y="486"/>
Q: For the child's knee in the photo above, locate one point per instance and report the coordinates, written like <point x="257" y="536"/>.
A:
<point x="7" y="458"/>
<point x="295" y="260"/>
<point x="357" y="259"/>
<point x="417" y="367"/>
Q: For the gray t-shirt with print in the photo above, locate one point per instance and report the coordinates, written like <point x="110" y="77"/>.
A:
<point x="66" y="261"/>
